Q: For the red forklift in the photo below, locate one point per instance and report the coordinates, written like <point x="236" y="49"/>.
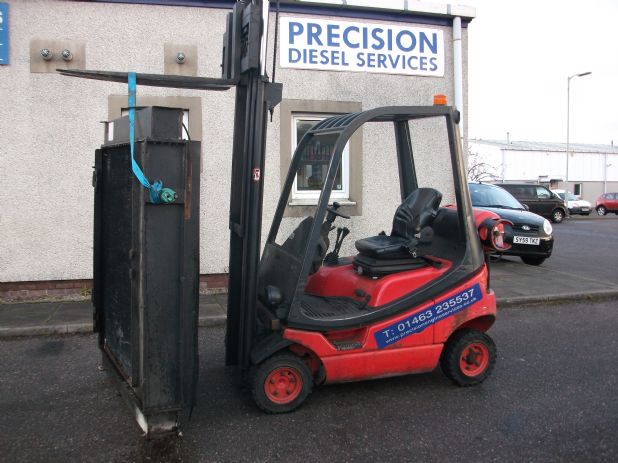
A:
<point x="300" y="313"/>
<point x="402" y="302"/>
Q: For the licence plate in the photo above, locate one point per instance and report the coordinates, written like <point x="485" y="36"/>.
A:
<point x="585" y="209"/>
<point x="526" y="240"/>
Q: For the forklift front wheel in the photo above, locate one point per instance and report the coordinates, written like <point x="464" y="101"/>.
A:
<point x="281" y="383"/>
<point x="468" y="358"/>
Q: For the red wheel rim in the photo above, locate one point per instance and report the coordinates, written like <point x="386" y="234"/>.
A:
<point x="283" y="385"/>
<point x="474" y="359"/>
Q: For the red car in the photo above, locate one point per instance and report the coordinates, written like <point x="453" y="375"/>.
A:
<point x="607" y="202"/>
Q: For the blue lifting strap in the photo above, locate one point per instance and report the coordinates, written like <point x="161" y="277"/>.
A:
<point x="158" y="194"/>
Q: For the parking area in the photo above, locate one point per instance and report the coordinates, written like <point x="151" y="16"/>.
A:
<point x="583" y="262"/>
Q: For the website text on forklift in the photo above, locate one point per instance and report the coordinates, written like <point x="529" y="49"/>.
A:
<point x="362" y="47"/>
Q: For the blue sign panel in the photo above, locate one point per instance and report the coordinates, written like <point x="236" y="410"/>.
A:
<point x="4" y="33"/>
<point x="421" y="320"/>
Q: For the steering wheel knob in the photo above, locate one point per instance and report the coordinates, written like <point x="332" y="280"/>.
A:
<point x="333" y="210"/>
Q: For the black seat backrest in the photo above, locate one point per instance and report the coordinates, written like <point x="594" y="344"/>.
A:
<point x="416" y="212"/>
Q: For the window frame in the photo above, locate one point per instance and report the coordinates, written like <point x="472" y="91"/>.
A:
<point x="184" y="135"/>
<point x="190" y="104"/>
<point x="311" y="197"/>
<point x="353" y="206"/>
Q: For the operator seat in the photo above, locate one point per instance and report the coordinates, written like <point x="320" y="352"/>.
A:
<point x="383" y="254"/>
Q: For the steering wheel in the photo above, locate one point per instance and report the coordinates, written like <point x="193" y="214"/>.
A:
<point x="333" y="210"/>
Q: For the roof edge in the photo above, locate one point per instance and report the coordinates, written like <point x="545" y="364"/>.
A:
<point x="512" y="145"/>
<point x="415" y="7"/>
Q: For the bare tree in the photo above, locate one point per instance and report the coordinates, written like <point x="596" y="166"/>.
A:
<point x="480" y="171"/>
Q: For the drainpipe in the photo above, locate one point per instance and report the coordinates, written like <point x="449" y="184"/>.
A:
<point x="605" y="166"/>
<point x="458" y="71"/>
<point x="264" y="44"/>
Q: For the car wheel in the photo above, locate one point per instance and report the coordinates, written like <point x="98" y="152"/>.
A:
<point x="601" y="210"/>
<point x="532" y="260"/>
<point x="468" y="358"/>
<point x="281" y="383"/>
<point x="557" y="215"/>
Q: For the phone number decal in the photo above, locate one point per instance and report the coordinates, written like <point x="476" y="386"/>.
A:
<point x="421" y="320"/>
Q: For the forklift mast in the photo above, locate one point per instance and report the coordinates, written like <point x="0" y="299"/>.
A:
<point x="255" y="96"/>
<point x="243" y="67"/>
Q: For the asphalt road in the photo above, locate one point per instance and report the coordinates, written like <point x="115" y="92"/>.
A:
<point x="586" y="247"/>
<point x="552" y="397"/>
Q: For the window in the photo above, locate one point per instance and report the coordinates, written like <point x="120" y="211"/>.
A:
<point x="523" y="191"/>
<point x="191" y="106"/>
<point x="296" y="117"/>
<point x="577" y="189"/>
<point x="185" y="120"/>
<point x="314" y="165"/>
<point x="543" y="193"/>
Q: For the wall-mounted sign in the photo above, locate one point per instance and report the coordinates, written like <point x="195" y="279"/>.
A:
<point x="4" y="33"/>
<point x="321" y="44"/>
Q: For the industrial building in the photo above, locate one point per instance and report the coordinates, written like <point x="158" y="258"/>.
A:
<point x="591" y="169"/>
<point x="332" y="57"/>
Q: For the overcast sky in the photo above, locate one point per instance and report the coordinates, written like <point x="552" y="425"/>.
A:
<point x="520" y="55"/>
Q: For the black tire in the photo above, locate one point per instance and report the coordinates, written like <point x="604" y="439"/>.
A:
<point x="460" y="360"/>
<point x="601" y="210"/>
<point x="557" y="215"/>
<point x="533" y="260"/>
<point x="281" y="383"/>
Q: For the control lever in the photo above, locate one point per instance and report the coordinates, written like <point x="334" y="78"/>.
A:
<point x="339" y="230"/>
<point x="333" y="257"/>
<point x="345" y="232"/>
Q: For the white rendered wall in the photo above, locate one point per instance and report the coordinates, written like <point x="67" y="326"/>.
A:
<point x="50" y="128"/>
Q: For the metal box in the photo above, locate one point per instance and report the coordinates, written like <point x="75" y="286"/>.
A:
<point x="146" y="267"/>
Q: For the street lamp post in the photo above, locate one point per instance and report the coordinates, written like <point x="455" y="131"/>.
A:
<point x="566" y="178"/>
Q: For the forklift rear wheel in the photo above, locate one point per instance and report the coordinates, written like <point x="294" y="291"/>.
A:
<point x="281" y="383"/>
<point x="469" y="357"/>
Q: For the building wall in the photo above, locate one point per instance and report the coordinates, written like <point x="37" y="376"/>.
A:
<point x="527" y="164"/>
<point x="51" y="127"/>
<point x="592" y="190"/>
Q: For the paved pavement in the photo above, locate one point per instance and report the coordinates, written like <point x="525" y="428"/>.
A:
<point x="513" y="282"/>
<point x="62" y="317"/>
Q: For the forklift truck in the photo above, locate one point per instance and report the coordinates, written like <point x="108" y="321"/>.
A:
<point x="403" y="302"/>
<point x="300" y="316"/>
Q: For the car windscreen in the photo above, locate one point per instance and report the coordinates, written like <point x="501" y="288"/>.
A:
<point x="492" y="196"/>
